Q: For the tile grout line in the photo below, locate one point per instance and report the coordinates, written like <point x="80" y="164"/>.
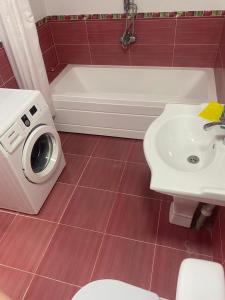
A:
<point x="42" y="276"/>
<point x="56" y="227"/>
<point x="89" y="46"/>
<point x="7" y="229"/>
<point x="110" y="214"/>
<point x="154" y="253"/>
<point x="77" y="184"/>
<point x="54" y="44"/>
<point x="126" y="194"/>
<point x="174" y="44"/>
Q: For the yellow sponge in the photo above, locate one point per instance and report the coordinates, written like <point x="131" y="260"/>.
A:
<point x="212" y="112"/>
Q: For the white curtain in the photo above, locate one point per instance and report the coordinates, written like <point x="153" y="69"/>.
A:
<point x="20" y="40"/>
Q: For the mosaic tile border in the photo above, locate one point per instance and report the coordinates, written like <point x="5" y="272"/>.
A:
<point x="148" y="15"/>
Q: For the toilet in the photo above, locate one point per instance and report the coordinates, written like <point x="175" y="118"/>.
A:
<point x="197" y="280"/>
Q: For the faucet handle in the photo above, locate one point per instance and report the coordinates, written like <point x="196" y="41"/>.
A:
<point x="222" y="117"/>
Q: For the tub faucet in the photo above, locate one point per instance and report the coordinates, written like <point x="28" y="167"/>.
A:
<point x="128" y="36"/>
<point x="220" y="123"/>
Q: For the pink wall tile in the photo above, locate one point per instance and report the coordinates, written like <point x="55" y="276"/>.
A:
<point x="11" y="84"/>
<point x="7" y="79"/>
<point x="195" y="55"/>
<point x="98" y="42"/>
<point x="199" y="30"/>
<point x="50" y="59"/>
<point x="152" y="31"/>
<point x="73" y="54"/>
<point x="151" y="55"/>
<point x="5" y="68"/>
<point x="105" y="32"/>
<point x="45" y="37"/>
<point x="109" y="54"/>
<point x="69" y="32"/>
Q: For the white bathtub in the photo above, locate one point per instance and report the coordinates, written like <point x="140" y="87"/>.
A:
<point x="123" y="101"/>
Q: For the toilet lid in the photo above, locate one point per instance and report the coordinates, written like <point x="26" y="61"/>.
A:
<point x="108" y="289"/>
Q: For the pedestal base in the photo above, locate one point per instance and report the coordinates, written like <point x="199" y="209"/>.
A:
<point x="182" y="211"/>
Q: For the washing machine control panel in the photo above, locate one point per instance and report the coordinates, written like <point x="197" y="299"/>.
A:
<point x="25" y="120"/>
<point x="29" y="115"/>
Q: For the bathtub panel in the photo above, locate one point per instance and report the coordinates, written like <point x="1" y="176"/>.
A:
<point x="105" y="120"/>
<point x="132" y="134"/>
<point x="105" y="107"/>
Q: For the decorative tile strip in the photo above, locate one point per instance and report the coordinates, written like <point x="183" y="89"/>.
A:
<point x="147" y="15"/>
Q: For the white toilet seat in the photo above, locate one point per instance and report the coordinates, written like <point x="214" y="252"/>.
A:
<point x="108" y="289"/>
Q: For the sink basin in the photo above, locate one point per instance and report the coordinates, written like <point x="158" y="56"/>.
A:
<point x="185" y="160"/>
<point x="183" y="145"/>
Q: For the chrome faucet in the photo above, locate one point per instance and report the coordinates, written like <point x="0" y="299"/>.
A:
<point x="220" y="123"/>
<point x="128" y="36"/>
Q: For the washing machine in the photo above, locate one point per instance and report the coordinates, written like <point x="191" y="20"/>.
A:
<point x="31" y="157"/>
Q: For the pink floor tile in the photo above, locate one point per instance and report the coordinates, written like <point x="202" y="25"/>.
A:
<point x="137" y="152"/>
<point x="5" y="221"/>
<point x="165" y="272"/>
<point x="135" y="217"/>
<point x="63" y="136"/>
<point x="14" y="283"/>
<point x="73" y="170"/>
<point x="216" y="241"/>
<point x="46" y="289"/>
<point x="81" y="144"/>
<point x="174" y="236"/>
<point x="136" y="181"/>
<point x="125" y="260"/>
<point x="71" y="255"/>
<point x="89" y="208"/>
<point x="222" y="226"/>
<point x="25" y="243"/>
<point x="113" y="148"/>
<point x="102" y="174"/>
<point x="56" y="202"/>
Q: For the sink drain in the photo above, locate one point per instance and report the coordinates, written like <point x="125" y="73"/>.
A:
<point x="193" y="159"/>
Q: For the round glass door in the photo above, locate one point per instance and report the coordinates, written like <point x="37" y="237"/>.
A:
<point x="41" y="154"/>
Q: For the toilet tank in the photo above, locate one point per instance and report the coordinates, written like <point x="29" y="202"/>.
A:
<point x="200" y="280"/>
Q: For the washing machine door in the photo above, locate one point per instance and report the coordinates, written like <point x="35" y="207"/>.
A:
<point x="41" y="154"/>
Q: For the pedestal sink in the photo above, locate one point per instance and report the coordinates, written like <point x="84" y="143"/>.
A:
<point x="186" y="161"/>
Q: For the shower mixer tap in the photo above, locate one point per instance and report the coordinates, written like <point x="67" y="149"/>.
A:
<point x="128" y="36"/>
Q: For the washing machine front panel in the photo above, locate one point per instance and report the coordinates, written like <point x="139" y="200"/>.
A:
<point x="41" y="154"/>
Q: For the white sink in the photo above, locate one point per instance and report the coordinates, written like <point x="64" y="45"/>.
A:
<point x="185" y="160"/>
